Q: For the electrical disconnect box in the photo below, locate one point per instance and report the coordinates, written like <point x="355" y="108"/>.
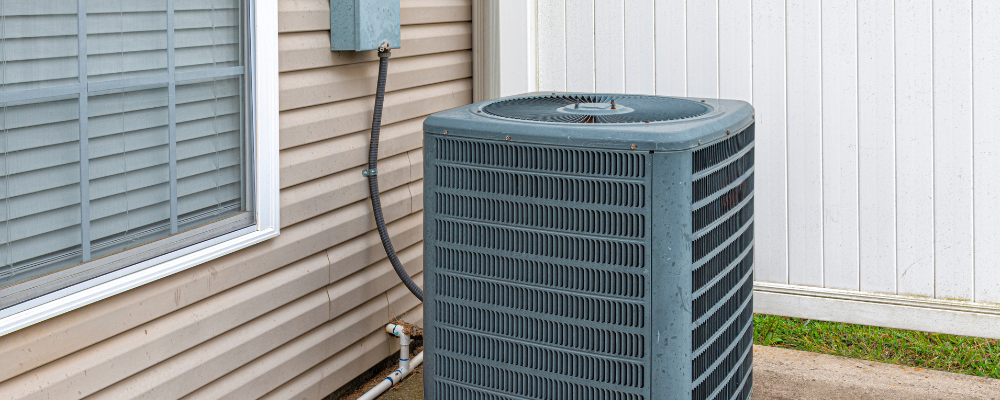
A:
<point x="362" y="25"/>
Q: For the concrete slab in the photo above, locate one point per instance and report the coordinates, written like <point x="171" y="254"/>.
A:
<point x="781" y="374"/>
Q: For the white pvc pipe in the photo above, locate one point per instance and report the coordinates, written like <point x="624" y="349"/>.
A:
<point x="405" y="364"/>
<point x="404" y="345"/>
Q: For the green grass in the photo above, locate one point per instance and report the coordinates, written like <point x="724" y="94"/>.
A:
<point x="960" y="354"/>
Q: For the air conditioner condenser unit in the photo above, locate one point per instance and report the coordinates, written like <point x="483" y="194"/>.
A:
<point x="589" y="246"/>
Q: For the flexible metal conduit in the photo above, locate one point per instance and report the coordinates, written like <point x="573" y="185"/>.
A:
<point x="372" y="174"/>
<point x="405" y="364"/>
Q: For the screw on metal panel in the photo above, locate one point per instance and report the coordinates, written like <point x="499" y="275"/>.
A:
<point x="508" y="138"/>
<point x="727" y="133"/>
<point x="646" y="121"/>
<point x="613" y="105"/>
<point x="633" y="147"/>
<point x="445" y="132"/>
<point x="479" y="112"/>
<point x="703" y="101"/>
<point x="699" y="143"/>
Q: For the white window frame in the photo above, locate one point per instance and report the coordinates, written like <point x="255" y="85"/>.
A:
<point x="264" y="99"/>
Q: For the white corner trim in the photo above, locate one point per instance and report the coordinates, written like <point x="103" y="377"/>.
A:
<point x="265" y="98"/>
<point x="266" y="124"/>
<point x="485" y="50"/>
<point x="891" y="311"/>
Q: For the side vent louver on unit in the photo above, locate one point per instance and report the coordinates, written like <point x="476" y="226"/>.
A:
<point x="589" y="247"/>
<point x="722" y="286"/>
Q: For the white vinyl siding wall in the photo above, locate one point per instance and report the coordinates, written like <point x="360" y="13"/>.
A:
<point x="876" y="162"/>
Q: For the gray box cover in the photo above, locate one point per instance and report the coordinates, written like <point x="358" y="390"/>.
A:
<point x="362" y="25"/>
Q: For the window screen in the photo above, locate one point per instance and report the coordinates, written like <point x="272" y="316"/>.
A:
<point x="123" y="135"/>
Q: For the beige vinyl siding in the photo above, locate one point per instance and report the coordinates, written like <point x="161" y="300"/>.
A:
<point x="300" y="315"/>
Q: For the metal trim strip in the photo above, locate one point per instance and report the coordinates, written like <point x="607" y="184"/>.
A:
<point x="172" y="116"/>
<point x="84" y="136"/>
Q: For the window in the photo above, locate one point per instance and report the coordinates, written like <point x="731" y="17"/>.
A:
<point x="130" y="137"/>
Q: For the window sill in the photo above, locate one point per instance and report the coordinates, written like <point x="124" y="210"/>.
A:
<point x="97" y="289"/>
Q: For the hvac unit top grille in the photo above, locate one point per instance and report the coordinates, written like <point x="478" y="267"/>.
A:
<point x="580" y="260"/>
<point x="597" y="109"/>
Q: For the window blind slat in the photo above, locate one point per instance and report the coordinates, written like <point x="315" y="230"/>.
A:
<point x="219" y="17"/>
<point x="205" y="4"/>
<point x="108" y="145"/>
<point x="31" y="26"/>
<point x="32" y="137"/>
<point x="141" y="213"/>
<point x="41" y="180"/>
<point x="135" y="179"/>
<point x="39" y="49"/>
<point x="128" y="162"/>
<point x="206" y="200"/>
<point x="207" y="126"/>
<point x="117" y="23"/>
<point x="129" y="6"/>
<point x="44" y="233"/>
<point x="41" y="8"/>
<point x="39" y="202"/>
<point x="209" y="178"/>
<point x="132" y="200"/>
